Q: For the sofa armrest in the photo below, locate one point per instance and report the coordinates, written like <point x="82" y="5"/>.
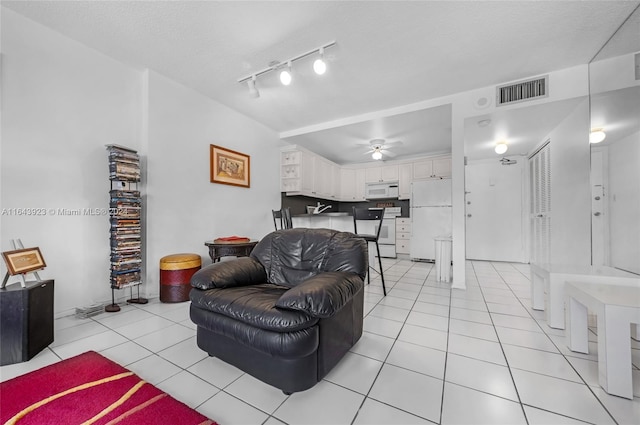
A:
<point x="322" y="295"/>
<point x="243" y="271"/>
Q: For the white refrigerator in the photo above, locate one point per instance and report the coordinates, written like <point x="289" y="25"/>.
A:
<point x="430" y="212"/>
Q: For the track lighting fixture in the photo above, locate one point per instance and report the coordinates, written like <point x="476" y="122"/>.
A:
<point x="319" y="66"/>
<point x="285" y="73"/>
<point x="501" y="147"/>
<point x="253" y="91"/>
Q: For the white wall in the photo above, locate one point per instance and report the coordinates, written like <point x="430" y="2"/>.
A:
<point x="624" y="206"/>
<point x="570" y="189"/>
<point x="62" y="103"/>
<point x="183" y="208"/>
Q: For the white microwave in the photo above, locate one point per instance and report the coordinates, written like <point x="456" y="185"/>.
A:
<point x="387" y="190"/>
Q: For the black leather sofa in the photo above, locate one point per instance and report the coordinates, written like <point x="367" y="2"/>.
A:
<point x="288" y="313"/>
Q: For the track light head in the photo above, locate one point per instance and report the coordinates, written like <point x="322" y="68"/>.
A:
<point x="251" y="83"/>
<point x="285" y="75"/>
<point x="320" y="66"/>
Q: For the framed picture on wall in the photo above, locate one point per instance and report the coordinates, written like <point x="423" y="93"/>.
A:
<point x="23" y="260"/>
<point x="229" y="167"/>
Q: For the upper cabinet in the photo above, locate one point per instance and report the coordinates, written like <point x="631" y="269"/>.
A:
<point x="386" y="173"/>
<point x="304" y="173"/>
<point x="405" y="172"/>
<point x="290" y="171"/>
<point x="352" y="184"/>
<point x="432" y="168"/>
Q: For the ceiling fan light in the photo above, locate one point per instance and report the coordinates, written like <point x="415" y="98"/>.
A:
<point x="320" y="66"/>
<point x="597" y="135"/>
<point x="376" y="155"/>
<point x="501" y="148"/>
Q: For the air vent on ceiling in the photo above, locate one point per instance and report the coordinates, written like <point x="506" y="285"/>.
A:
<point x="522" y="91"/>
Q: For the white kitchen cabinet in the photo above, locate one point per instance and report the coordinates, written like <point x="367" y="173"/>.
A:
<point x="385" y="173"/>
<point x="403" y="235"/>
<point x="442" y="167"/>
<point x="290" y="171"/>
<point x="405" y="172"/>
<point x="334" y="171"/>
<point x="320" y="178"/>
<point x="304" y="173"/>
<point x="432" y="168"/>
<point x="347" y="184"/>
<point x="352" y="184"/>
<point x="360" y="184"/>
<point x="307" y="173"/>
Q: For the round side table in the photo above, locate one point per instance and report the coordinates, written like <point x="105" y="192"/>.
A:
<point x="218" y="250"/>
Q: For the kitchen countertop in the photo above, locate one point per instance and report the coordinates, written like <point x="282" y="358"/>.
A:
<point x="331" y="214"/>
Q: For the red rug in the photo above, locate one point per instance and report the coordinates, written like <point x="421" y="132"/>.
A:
<point x="89" y="389"/>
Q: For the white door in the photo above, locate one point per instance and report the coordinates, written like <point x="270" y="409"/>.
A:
<point x="494" y="211"/>
<point x="540" y="205"/>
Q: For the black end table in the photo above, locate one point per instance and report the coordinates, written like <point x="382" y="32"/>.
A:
<point x="226" y="249"/>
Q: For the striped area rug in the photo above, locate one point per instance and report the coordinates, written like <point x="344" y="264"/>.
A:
<point x="89" y="389"/>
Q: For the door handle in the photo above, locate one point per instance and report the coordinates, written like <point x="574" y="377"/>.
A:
<point x="597" y="214"/>
<point x="468" y="215"/>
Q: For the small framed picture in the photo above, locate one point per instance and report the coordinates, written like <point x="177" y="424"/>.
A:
<point x="229" y="167"/>
<point x="24" y="260"/>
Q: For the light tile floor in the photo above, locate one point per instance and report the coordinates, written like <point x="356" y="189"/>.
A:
<point x="429" y="354"/>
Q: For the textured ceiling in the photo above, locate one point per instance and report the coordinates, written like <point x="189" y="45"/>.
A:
<point x="388" y="53"/>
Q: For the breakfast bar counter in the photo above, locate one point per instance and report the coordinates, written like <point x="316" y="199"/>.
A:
<point x="341" y="221"/>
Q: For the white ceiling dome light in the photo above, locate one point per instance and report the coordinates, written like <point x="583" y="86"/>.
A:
<point x="597" y="135"/>
<point x="501" y="147"/>
<point x="377" y="155"/>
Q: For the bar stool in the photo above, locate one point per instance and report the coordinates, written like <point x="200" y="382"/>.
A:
<point x="282" y="216"/>
<point x="370" y="214"/>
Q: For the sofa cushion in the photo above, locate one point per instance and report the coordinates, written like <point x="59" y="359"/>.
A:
<point x="288" y="345"/>
<point x="253" y="305"/>
<point x="242" y="271"/>
<point x="292" y="256"/>
<point x="322" y="295"/>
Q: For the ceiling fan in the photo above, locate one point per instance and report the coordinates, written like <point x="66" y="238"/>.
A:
<point x="380" y="148"/>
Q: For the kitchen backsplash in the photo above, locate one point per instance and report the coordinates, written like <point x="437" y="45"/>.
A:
<point x="298" y="204"/>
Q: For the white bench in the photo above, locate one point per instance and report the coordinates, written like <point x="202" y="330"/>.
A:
<point x="551" y="278"/>
<point x="616" y="307"/>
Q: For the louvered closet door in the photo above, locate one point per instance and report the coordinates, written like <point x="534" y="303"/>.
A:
<point x="540" y="213"/>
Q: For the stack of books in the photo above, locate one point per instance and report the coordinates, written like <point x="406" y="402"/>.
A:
<point x="125" y="208"/>
<point x="124" y="164"/>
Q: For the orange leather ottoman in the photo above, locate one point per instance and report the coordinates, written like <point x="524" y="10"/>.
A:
<point x="175" y="276"/>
